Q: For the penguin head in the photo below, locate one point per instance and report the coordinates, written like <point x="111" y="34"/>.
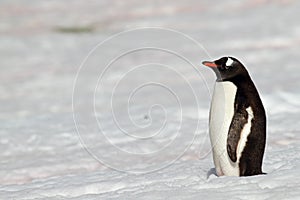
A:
<point x="226" y="68"/>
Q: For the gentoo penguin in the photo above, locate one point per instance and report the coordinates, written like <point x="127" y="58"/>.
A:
<point x="237" y="122"/>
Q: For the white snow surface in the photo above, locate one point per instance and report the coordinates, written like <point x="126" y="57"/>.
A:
<point x="152" y="143"/>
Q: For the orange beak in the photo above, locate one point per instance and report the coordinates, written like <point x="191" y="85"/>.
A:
<point x="209" y="64"/>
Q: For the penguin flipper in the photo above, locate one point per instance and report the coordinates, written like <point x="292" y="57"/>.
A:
<point x="234" y="133"/>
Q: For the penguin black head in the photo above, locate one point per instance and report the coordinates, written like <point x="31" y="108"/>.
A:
<point x="226" y="68"/>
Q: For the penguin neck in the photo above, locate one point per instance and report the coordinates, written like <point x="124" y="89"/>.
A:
<point x="246" y="88"/>
<point x="241" y="81"/>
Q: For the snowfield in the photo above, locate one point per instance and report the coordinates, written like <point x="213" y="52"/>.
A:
<point x="130" y="121"/>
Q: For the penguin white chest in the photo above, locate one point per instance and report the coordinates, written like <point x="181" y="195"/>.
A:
<point x="221" y="114"/>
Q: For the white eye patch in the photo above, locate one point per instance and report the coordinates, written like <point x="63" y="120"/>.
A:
<point x="229" y="62"/>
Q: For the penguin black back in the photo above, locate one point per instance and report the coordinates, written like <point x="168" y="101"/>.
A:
<point x="247" y="97"/>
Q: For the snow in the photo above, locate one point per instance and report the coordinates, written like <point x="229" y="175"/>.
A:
<point x="152" y="143"/>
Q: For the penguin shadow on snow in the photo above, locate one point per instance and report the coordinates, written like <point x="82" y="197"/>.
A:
<point x="213" y="171"/>
<point x="210" y="172"/>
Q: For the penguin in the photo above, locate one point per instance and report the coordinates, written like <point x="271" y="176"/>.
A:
<point x="237" y="120"/>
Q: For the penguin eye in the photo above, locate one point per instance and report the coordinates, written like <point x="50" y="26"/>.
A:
<point x="224" y="67"/>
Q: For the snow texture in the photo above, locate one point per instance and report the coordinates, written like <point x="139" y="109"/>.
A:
<point x="138" y="127"/>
